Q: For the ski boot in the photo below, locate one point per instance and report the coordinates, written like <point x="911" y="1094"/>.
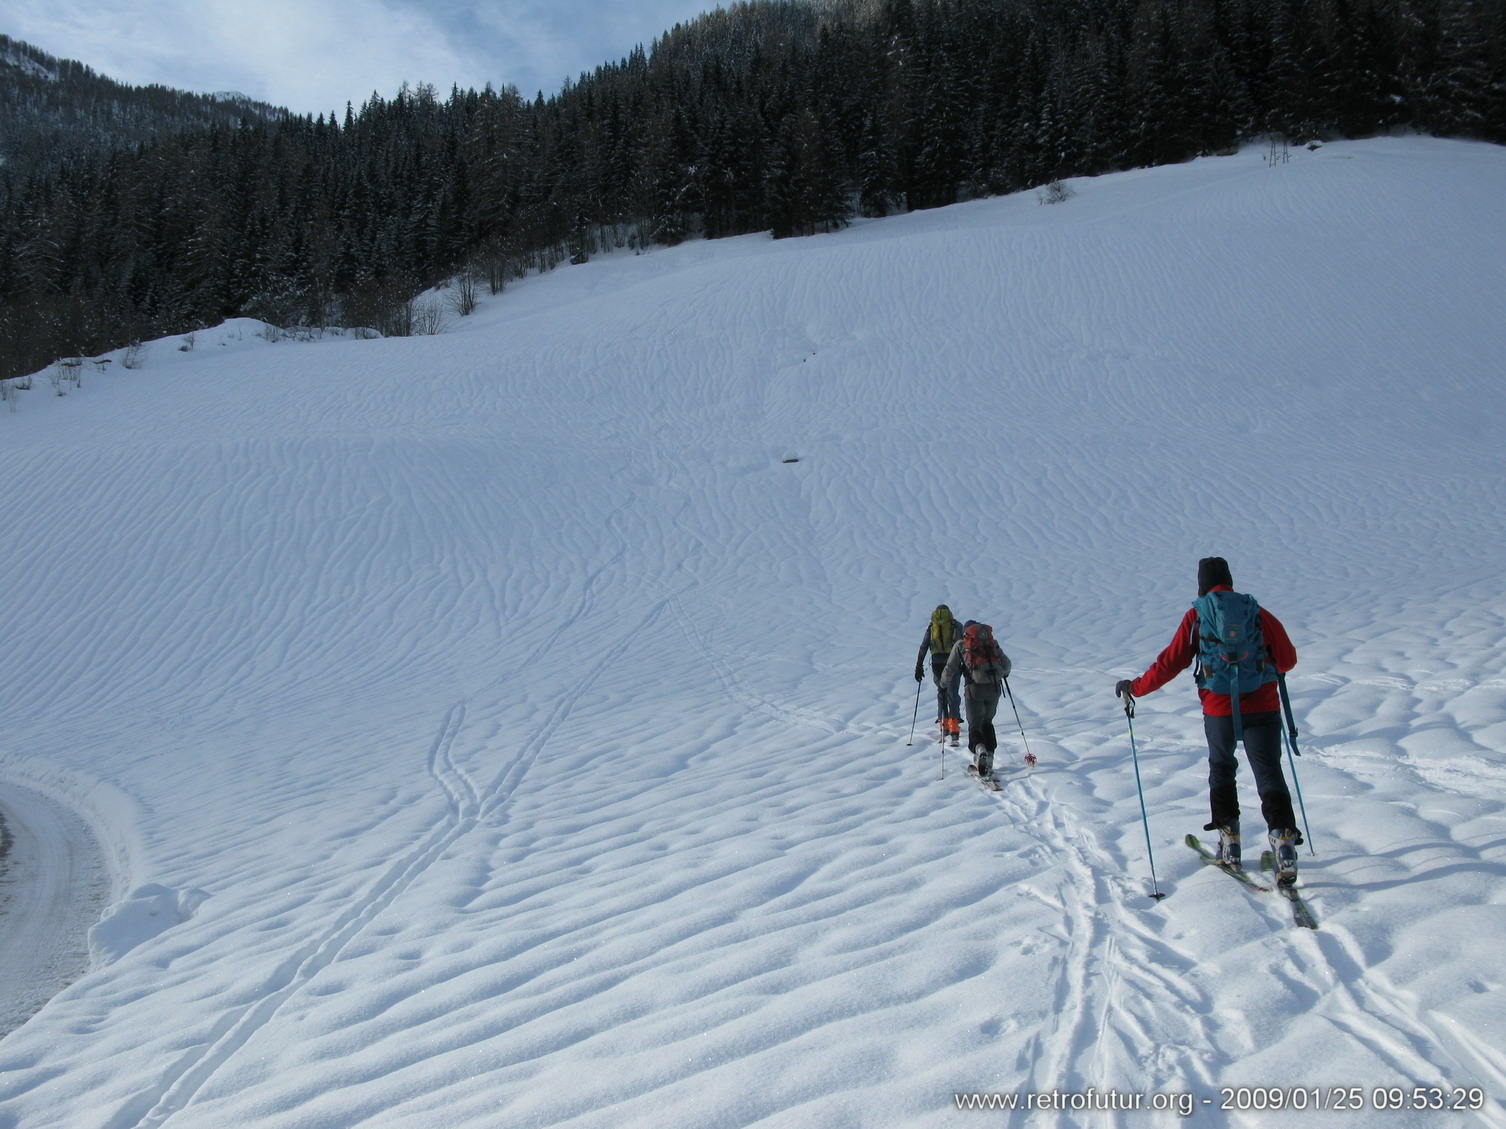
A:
<point x="1228" y="853"/>
<point x="1284" y="842"/>
<point x="985" y="762"/>
<point x="954" y="731"/>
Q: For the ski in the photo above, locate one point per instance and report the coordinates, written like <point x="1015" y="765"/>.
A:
<point x="991" y="781"/>
<point x="1209" y="859"/>
<point x="1301" y="914"/>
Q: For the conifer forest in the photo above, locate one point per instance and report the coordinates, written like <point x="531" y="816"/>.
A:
<point x="784" y="116"/>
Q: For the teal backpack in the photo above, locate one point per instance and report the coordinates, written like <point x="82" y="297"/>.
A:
<point x="1231" y="654"/>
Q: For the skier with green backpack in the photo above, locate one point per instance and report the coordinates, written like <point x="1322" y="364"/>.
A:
<point x="1240" y="650"/>
<point x="941" y="635"/>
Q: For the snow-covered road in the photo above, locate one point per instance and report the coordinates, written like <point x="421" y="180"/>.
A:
<point x="53" y="884"/>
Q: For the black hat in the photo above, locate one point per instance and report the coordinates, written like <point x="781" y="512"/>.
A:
<point x="1212" y="572"/>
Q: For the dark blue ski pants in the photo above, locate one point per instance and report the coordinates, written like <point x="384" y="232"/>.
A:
<point x="1262" y="736"/>
<point x="948" y="699"/>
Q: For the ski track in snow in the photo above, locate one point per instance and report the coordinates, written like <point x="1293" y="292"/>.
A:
<point x="468" y="807"/>
<point x="522" y="742"/>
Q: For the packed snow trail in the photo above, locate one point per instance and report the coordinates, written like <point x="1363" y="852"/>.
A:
<point x="501" y="731"/>
<point x="53" y="887"/>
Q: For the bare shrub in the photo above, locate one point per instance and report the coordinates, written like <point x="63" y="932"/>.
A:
<point x="464" y="297"/>
<point x="1057" y="192"/>
<point x="427" y="318"/>
<point x="66" y="371"/>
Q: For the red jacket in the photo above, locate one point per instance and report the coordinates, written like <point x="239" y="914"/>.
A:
<point x="1182" y="650"/>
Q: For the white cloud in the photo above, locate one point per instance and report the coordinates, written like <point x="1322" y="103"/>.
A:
<point x="319" y="56"/>
<point x="315" y="55"/>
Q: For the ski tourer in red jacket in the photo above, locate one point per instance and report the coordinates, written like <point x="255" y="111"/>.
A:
<point x="1260" y="732"/>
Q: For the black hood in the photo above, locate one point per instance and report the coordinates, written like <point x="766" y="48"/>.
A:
<point x="1212" y="572"/>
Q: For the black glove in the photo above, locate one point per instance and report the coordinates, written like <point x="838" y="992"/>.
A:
<point x="919" y="677"/>
<point x="1124" y="686"/>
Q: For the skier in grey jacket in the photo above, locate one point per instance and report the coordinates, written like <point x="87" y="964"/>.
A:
<point x="984" y="667"/>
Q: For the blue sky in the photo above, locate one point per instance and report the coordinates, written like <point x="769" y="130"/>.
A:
<point x="316" y="55"/>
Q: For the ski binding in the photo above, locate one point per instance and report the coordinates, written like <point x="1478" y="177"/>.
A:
<point x="1209" y="859"/>
<point x="1301" y="914"/>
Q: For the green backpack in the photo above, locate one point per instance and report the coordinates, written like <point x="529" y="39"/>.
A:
<point x="943" y="630"/>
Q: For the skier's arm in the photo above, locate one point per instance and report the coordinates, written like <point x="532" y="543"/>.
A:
<point x="1176" y="658"/>
<point x="1277" y="643"/>
<point x="920" y="657"/>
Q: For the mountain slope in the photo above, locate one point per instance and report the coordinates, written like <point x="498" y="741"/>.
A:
<point x="492" y="728"/>
<point x="59" y="109"/>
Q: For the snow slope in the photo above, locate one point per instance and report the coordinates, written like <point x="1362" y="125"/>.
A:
<point x="491" y="729"/>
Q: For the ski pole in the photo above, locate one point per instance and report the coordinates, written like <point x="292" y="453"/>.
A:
<point x="916" y="718"/>
<point x="1290" y="733"/>
<point x="1129" y="716"/>
<point x="1029" y="756"/>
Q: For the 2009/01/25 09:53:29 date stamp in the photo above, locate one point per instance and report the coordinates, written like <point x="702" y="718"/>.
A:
<point x="1378" y="1098"/>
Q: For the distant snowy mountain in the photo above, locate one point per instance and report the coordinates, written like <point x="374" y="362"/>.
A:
<point x="496" y="729"/>
<point x="52" y="108"/>
<point x="27" y="62"/>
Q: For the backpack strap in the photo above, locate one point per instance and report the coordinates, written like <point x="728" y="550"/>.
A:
<point x="1239" y="729"/>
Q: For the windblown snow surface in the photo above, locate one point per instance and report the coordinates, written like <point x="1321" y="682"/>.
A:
<point x="494" y="730"/>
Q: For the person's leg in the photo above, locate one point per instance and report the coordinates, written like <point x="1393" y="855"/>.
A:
<point x="967" y="702"/>
<point x="1223" y="797"/>
<point x="954" y="701"/>
<point x="1262" y="734"/>
<point x="937" y="667"/>
<point x="974" y="717"/>
<point x="1263" y="749"/>
<point x="987" y="705"/>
